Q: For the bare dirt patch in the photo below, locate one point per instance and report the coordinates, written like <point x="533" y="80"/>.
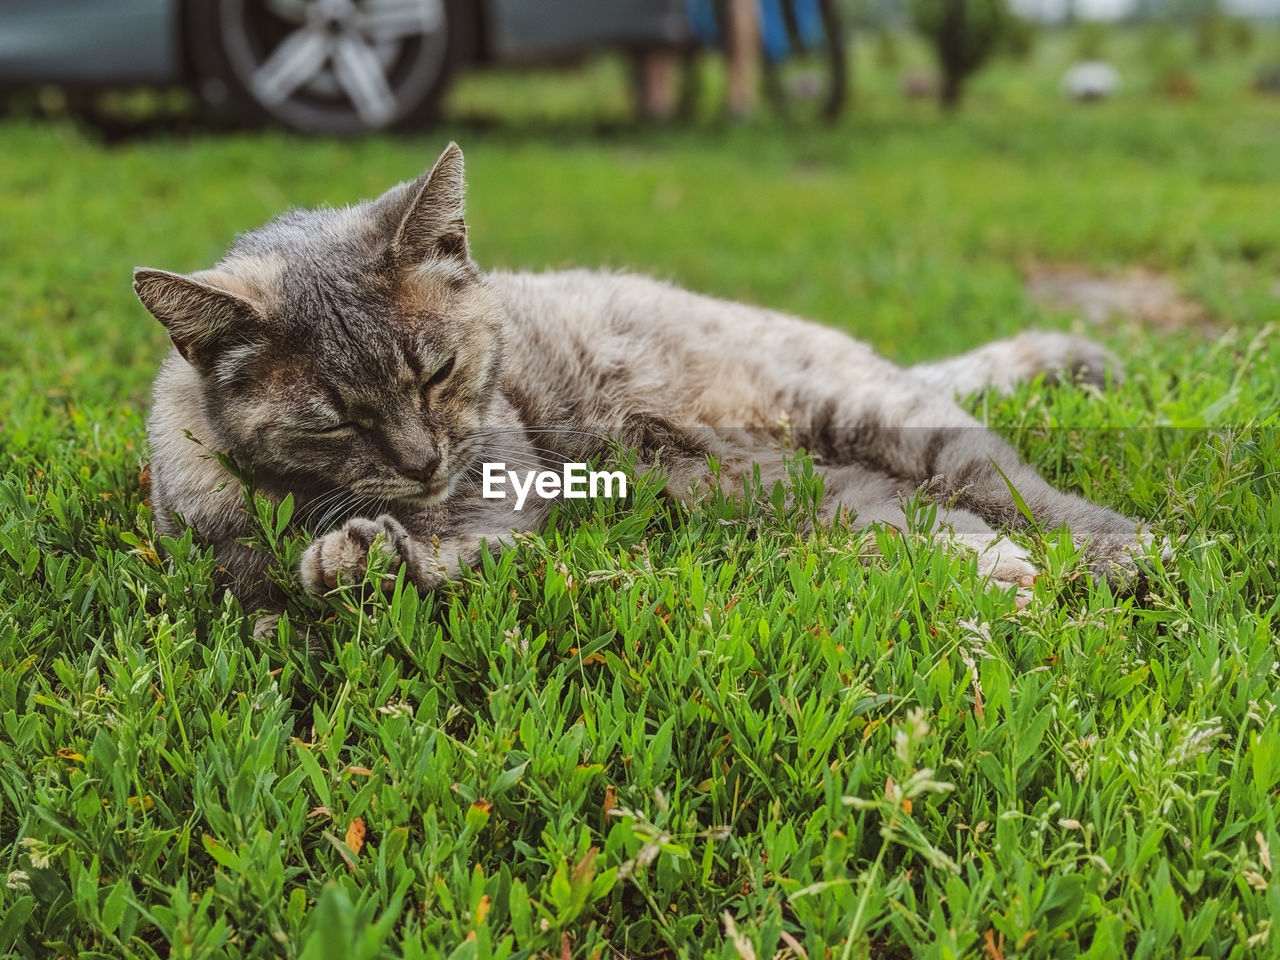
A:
<point x="1136" y="294"/>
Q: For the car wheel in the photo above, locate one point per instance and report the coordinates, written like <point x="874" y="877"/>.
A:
<point x="326" y="66"/>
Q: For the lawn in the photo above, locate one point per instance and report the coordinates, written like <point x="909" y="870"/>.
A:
<point x="649" y="731"/>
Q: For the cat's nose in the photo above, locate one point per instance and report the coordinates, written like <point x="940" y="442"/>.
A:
<point x="423" y="470"/>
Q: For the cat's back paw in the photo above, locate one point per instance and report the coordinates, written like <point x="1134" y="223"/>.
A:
<point x="1001" y="366"/>
<point x="1066" y="358"/>
<point x="1123" y="560"/>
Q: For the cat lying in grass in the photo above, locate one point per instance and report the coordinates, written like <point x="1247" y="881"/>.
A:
<point x="359" y="360"/>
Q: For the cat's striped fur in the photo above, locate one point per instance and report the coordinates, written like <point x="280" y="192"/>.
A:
<point x="360" y="360"/>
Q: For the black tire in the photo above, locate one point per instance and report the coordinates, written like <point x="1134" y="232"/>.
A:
<point x="332" y="67"/>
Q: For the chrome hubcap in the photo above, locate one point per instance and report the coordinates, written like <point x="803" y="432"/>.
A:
<point x="343" y="49"/>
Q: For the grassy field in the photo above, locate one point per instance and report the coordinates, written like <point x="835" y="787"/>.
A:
<point x="651" y="732"/>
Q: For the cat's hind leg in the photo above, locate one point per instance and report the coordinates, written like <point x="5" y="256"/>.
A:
<point x="863" y="494"/>
<point x="871" y="498"/>
<point x="853" y="407"/>
<point x="1003" y="364"/>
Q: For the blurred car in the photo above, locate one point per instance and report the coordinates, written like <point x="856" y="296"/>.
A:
<point x="317" y="66"/>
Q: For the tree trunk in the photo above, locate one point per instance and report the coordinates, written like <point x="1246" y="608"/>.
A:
<point x="951" y="89"/>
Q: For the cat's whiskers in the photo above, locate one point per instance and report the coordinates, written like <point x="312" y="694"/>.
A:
<point x="487" y="454"/>
<point x="532" y="430"/>
<point x="601" y="443"/>
<point x="535" y="454"/>
<point x="337" y="511"/>
<point x="319" y="502"/>
<point x="466" y="481"/>
<point x="473" y="476"/>
<point x="508" y="440"/>
<point x="505" y="432"/>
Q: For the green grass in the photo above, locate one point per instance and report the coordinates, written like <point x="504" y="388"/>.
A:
<point x="646" y="720"/>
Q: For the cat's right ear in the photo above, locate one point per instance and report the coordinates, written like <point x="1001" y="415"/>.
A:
<point x="202" y="319"/>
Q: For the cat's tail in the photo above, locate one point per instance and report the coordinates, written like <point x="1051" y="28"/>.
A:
<point x="1002" y="365"/>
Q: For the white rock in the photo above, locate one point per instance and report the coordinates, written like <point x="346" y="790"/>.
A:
<point x="1090" y="80"/>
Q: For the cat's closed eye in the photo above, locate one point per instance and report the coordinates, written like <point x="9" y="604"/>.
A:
<point x="441" y="374"/>
<point x="335" y="429"/>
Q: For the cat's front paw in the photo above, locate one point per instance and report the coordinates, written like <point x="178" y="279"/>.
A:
<point x="342" y="556"/>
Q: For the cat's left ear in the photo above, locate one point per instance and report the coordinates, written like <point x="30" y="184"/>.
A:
<point x="434" y="228"/>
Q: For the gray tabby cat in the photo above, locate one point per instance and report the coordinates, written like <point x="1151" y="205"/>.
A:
<point x="360" y="360"/>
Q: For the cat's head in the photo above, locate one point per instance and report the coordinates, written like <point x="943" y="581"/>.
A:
<point x="355" y="349"/>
